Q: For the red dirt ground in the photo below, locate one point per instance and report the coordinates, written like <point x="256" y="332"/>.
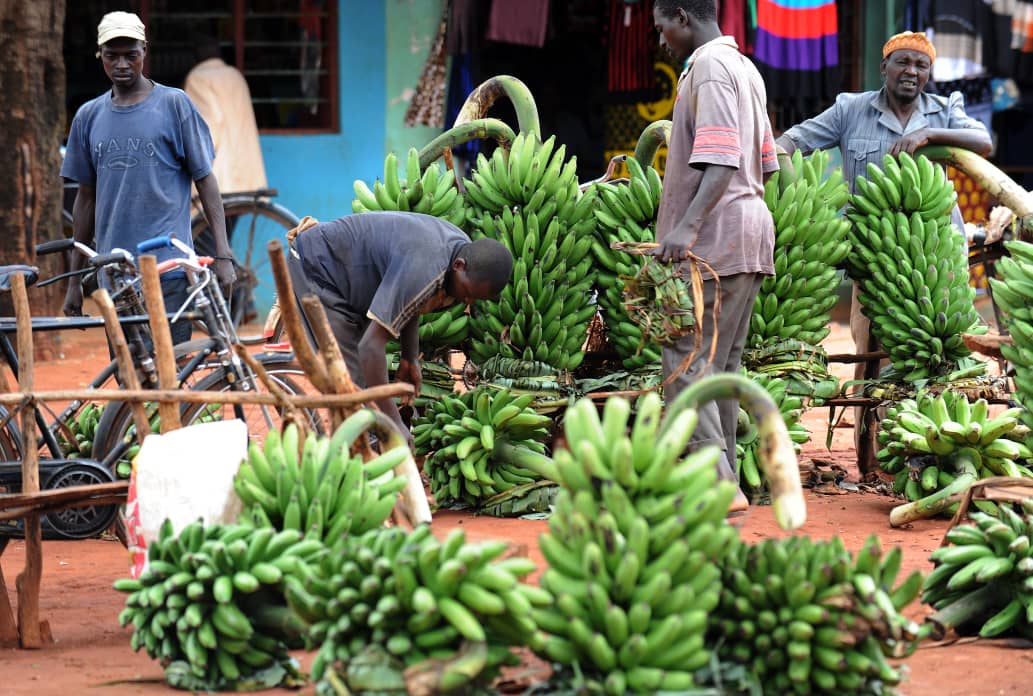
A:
<point x="91" y="653"/>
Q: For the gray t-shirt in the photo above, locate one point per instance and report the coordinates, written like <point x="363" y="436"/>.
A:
<point x="142" y="160"/>
<point x="387" y="267"/>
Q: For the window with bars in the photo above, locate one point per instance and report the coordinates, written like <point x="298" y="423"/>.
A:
<point x="287" y="50"/>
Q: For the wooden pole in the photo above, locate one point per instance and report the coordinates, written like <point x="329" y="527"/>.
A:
<point x="362" y="396"/>
<point x="292" y="414"/>
<point x="126" y="371"/>
<point x="340" y="381"/>
<point x="303" y="351"/>
<point x="28" y="581"/>
<point x="161" y="334"/>
<point x="8" y="628"/>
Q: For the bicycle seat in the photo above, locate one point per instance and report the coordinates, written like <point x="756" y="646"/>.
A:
<point x="31" y="273"/>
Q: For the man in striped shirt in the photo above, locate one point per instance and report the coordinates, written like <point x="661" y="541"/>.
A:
<point x="720" y="152"/>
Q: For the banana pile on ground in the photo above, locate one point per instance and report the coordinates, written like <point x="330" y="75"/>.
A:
<point x="530" y="201"/>
<point x="911" y="265"/>
<point x="746" y="440"/>
<point x="325" y="492"/>
<point x="446" y="609"/>
<point x="805" y="618"/>
<point x="983" y="581"/>
<point x="461" y="436"/>
<point x="811" y="240"/>
<point x="1013" y="295"/>
<point x="433" y="192"/>
<point x="804" y="368"/>
<point x="928" y="441"/>
<point x="633" y="548"/>
<point x="210" y="605"/>
<point x="625" y="213"/>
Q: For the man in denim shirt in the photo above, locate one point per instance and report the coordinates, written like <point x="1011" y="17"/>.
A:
<point x="900" y="117"/>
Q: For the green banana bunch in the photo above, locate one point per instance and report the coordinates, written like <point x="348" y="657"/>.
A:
<point x="76" y="437"/>
<point x="983" y="581"/>
<point x="633" y="547"/>
<point x="911" y="267"/>
<point x="806" y="618"/>
<point x="437" y="380"/>
<point x="530" y="201"/>
<point x="461" y="436"/>
<point x="746" y="441"/>
<point x="810" y="243"/>
<point x="625" y="213"/>
<point x="449" y="603"/>
<point x="210" y="602"/>
<point x="929" y="441"/>
<point x="432" y="192"/>
<point x="324" y="492"/>
<point x="1013" y="295"/>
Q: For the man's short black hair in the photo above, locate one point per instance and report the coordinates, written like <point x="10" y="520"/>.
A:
<point x="703" y="10"/>
<point x="488" y="261"/>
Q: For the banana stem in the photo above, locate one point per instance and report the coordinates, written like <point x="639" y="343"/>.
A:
<point x="971" y="606"/>
<point x="508" y="453"/>
<point x="931" y="505"/>
<point x="484" y="96"/>
<point x="479" y="129"/>
<point x="993" y="180"/>
<point x="656" y="134"/>
<point x="774" y="447"/>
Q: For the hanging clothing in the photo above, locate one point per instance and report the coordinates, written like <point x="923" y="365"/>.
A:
<point x="731" y="17"/>
<point x="631" y="49"/>
<point x="467" y="24"/>
<point x="519" y="21"/>
<point x="797" y="51"/>
<point x="427" y="107"/>
<point x="958" y="28"/>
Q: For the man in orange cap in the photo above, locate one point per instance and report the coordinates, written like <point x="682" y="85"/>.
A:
<point x="900" y="117"/>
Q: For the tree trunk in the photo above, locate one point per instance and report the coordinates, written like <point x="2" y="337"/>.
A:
<point x="32" y="82"/>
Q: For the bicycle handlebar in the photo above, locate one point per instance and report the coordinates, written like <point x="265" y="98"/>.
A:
<point x="114" y="256"/>
<point x="54" y="246"/>
<point x="163" y="242"/>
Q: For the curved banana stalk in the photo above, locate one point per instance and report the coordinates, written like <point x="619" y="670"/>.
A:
<point x="412" y="500"/>
<point x="775" y="449"/>
<point x="997" y="183"/>
<point x="656" y="134"/>
<point x="479" y="129"/>
<point x="484" y="96"/>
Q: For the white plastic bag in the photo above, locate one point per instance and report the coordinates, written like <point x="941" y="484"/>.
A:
<point x="182" y="475"/>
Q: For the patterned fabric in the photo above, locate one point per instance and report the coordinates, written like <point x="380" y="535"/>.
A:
<point x="797" y="50"/>
<point x="631" y="45"/>
<point x="427" y="107"/>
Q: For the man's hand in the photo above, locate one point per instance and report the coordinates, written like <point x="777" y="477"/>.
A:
<point x="910" y="142"/>
<point x="675" y="247"/>
<point x="73" y="300"/>
<point x="226" y="275"/>
<point x="409" y="371"/>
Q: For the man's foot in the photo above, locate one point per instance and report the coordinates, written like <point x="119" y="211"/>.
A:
<point x="740" y="505"/>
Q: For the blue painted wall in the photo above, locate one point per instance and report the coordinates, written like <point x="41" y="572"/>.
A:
<point x="314" y="173"/>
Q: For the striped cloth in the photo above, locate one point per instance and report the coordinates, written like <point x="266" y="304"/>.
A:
<point x="797" y="51"/>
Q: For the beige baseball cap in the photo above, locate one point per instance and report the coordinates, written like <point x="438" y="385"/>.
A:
<point x="116" y="24"/>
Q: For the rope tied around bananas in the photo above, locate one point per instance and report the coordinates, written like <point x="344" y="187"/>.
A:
<point x="657" y="298"/>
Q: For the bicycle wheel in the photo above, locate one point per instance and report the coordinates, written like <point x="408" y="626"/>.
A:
<point x="117" y="433"/>
<point x="288" y="376"/>
<point x="250" y="224"/>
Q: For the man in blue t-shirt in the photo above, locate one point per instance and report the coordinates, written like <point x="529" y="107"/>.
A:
<point x="134" y="151"/>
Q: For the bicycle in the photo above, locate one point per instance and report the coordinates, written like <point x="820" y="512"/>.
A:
<point x="250" y="217"/>
<point x="208" y="364"/>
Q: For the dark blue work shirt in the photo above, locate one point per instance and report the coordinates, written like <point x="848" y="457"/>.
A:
<point x="387" y="267"/>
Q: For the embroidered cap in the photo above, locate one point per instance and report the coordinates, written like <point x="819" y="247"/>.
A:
<point x="116" y="24"/>
<point x="909" y="40"/>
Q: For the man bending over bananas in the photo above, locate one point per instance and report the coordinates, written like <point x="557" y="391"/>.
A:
<point x="900" y="117"/>
<point x="376" y="273"/>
